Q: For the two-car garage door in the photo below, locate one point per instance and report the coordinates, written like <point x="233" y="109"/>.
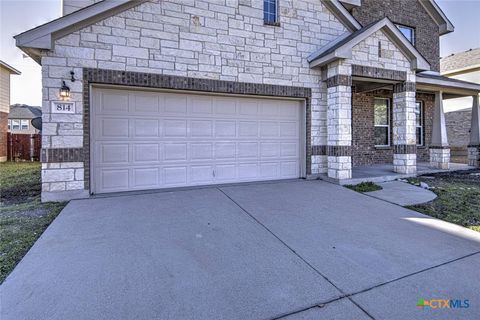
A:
<point x="150" y="140"/>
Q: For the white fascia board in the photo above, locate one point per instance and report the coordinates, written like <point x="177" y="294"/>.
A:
<point x="444" y="24"/>
<point x="342" y="14"/>
<point x="345" y="51"/>
<point x="418" y="62"/>
<point x="317" y="53"/>
<point x="392" y="32"/>
<point x="10" y="69"/>
<point x="330" y="58"/>
<point x="42" y="37"/>
<point x="448" y="84"/>
<point x="351" y="3"/>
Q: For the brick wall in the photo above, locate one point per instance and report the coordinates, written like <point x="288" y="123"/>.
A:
<point x="458" y="127"/>
<point x="458" y="131"/>
<point x="410" y="13"/>
<point x="364" y="150"/>
<point x="3" y="136"/>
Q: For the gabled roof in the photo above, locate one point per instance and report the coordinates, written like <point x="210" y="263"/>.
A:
<point x="351" y="3"/>
<point x="10" y="69"/>
<point x="459" y="62"/>
<point x="23" y="111"/>
<point x="342" y="14"/>
<point x="342" y="47"/>
<point x="432" y="8"/>
<point x="43" y="36"/>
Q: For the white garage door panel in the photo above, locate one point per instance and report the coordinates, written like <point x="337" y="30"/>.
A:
<point x="149" y="140"/>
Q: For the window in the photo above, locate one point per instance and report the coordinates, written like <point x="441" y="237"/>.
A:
<point x="419" y="130"/>
<point x="24" y="124"/>
<point x="9" y="124"/>
<point x="270" y="11"/>
<point x="382" y="122"/>
<point x="15" y="124"/>
<point x="408" y="32"/>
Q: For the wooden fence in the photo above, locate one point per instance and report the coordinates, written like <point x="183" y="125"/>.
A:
<point x="23" y="147"/>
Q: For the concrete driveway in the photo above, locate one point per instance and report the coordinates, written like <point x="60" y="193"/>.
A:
<point x="291" y="250"/>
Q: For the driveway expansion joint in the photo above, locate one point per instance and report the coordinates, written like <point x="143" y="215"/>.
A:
<point x="412" y="274"/>
<point x="343" y="294"/>
<point x="317" y="305"/>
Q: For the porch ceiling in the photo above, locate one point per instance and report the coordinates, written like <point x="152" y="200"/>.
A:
<point x="364" y="86"/>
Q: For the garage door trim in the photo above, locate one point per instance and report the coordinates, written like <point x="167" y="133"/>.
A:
<point x="95" y="76"/>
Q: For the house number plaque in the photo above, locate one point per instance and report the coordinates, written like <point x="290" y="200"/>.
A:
<point x="63" y="107"/>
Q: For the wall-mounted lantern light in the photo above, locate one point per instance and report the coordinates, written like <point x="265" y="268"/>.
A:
<point x="64" y="91"/>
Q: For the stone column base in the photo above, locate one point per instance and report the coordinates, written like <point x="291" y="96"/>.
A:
<point x="440" y="158"/>
<point x="405" y="163"/>
<point x="340" y="167"/>
<point x="474" y="156"/>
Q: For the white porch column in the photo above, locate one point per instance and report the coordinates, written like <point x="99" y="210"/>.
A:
<point x="439" y="148"/>
<point x="404" y="129"/>
<point x="474" y="145"/>
<point x="339" y="120"/>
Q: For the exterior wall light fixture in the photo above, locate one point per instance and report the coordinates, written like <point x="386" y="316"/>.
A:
<point x="64" y="91"/>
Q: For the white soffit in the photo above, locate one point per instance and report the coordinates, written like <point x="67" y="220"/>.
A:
<point x="42" y="37"/>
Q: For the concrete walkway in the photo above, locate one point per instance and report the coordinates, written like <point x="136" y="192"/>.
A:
<point x="402" y="193"/>
<point x="384" y="172"/>
<point x="292" y="250"/>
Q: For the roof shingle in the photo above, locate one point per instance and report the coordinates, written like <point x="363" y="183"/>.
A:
<point x="459" y="61"/>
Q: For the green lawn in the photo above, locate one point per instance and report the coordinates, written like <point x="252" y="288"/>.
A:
<point x="458" y="197"/>
<point x="23" y="217"/>
<point x="364" y="187"/>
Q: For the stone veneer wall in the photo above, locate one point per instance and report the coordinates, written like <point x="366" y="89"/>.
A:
<point x="364" y="150"/>
<point x="198" y="39"/>
<point x="410" y="13"/>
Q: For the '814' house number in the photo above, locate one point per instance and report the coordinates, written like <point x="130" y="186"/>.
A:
<point x="63" y="107"/>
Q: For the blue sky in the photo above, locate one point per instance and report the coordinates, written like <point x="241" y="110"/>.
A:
<point x="17" y="16"/>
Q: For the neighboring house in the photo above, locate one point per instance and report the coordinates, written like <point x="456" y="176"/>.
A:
<point x="5" y="72"/>
<point x="462" y="66"/>
<point x="20" y="119"/>
<point x="156" y="94"/>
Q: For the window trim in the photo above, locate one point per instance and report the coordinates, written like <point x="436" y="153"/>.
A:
<point x="18" y="124"/>
<point x="275" y="23"/>
<point x="422" y="123"/>
<point x="382" y="126"/>
<point x="22" y="121"/>
<point x="414" y="32"/>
